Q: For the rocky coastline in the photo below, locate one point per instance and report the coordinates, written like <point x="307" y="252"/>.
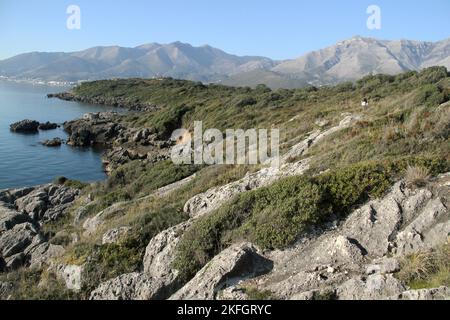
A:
<point x="105" y="101"/>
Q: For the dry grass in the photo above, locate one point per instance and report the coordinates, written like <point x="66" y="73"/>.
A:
<point x="416" y="176"/>
<point x="426" y="269"/>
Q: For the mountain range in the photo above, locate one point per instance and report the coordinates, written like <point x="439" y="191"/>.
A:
<point x="347" y="60"/>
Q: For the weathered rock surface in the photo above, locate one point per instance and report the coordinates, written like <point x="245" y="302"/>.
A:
<point x="47" y="126"/>
<point x="21" y="218"/>
<point x="72" y="275"/>
<point x="115" y="235"/>
<point x="374" y="287"/>
<point x="132" y="286"/>
<point x="30" y="126"/>
<point x="233" y="264"/>
<point x="46" y="203"/>
<point x="90" y="130"/>
<point x="442" y="293"/>
<point x="55" y="142"/>
<point x="356" y="259"/>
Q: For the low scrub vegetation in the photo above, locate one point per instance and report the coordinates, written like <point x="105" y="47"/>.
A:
<point x="275" y="216"/>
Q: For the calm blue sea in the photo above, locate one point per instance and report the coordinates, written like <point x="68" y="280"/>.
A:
<point x="23" y="160"/>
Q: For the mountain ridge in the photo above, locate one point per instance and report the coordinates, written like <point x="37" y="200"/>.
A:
<point x="347" y="60"/>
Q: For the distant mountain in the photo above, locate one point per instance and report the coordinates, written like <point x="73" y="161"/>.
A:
<point x="347" y="60"/>
<point x="354" y="58"/>
<point x="178" y="60"/>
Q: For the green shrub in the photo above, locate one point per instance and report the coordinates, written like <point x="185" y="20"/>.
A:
<point x="274" y="217"/>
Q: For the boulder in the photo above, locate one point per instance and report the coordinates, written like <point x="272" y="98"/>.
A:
<point x="161" y="252"/>
<point x="238" y="262"/>
<point x="115" y="235"/>
<point x="9" y="218"/>
<point x="55" y="142"/>
<point x="47" y="126"/>
<point x="373" y="287"/>
<point x="132" y="286"/>
<point x="25" y="126"/>
<point x="17" y="239"/>
<point x="72" y="275"/>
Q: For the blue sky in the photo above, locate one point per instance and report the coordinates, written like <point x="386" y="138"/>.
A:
<point x="277" y="29"/>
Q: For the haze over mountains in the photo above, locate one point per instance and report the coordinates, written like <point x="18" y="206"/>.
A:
<point x="345" y="61"/>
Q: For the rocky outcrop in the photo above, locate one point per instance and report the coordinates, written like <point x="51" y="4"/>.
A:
<point x="55" y="142"/>
<point x="132" y="286"/>
<point x="358" y="258"/>
<point x="22" y="213"/>
<point x="29" y="126"/>
<point x="231" y="265"/>
<point x="101" y="129"/>
<point x="115" y="235"/>
<point x="442" y="293"/>
<point x="119" y="102"/>
<point x="46" y="203"/>
<point x="47" y="126"/>
<point x="374" y="287"/>
<point x="72" y="275"/>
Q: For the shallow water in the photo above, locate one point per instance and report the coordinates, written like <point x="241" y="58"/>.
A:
<point x="23" y="160"/>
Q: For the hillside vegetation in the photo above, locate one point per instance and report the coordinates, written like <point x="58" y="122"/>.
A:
<point x="406" y="125"/>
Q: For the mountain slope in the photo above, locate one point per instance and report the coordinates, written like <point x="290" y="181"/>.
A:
<point x="357" y="57"/>
<point x="347" y="60"/>
<point x="176" y="59"/>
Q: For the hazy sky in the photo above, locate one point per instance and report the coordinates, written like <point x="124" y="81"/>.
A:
<point x="277" y="29"/>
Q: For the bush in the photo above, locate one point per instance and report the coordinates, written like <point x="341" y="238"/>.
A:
<point x="274" y="217"/>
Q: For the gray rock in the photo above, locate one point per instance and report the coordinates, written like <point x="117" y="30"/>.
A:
<point x="43" y="254"/>
<point x="15" y="262"/>
<point x="16" y="239"/>
<point x="47" y="126"/>
<point x="25" y="126"/>
<point x="90" y="225"/>
<point x="132" y="286"/>
<point x="9" y="218"/>
<point x="72" y="275"/>
<point x="431" y="227"/>
<point x="383" y="265"/>
<point x="374" y="225"/>
<point x="55" y="142"/>
<point x="238" y="262"/>
<point x="115" y="235"/>
<point x="442" y="293"/>
<point x="47" y="203"/>
<point x="374" y="287"/>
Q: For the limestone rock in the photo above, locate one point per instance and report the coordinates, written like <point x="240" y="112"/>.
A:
<point x="115" y="235"/>
<point x="16" y="239"/>
<point x="72" y="275"/>
<point x="374" y="287"/>
<point x="442" y="293"/>
<point x="235" y="263"/>
<point x="132" y="286"/>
